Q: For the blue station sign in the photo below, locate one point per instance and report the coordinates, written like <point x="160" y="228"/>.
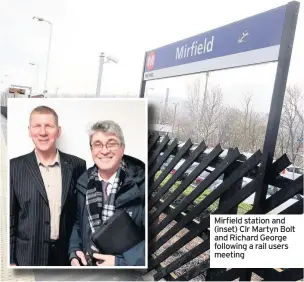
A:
<point x="253" y="40"/>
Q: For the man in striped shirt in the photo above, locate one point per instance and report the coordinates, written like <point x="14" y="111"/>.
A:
<point x="42" y="196"/>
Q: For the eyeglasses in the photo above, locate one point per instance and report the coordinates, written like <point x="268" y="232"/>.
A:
<point x="111" y="146"/>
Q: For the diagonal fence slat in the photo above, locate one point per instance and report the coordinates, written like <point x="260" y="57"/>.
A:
<point x="270" y="274"/>
<point x="190" y="225"/>
<point x="191" y="197"/>
<point x="162" y="159"/>
<point x="205" y="223"/>
<point x="215" y="152"/>
<point x="283" y="161"/>
<point x="194" y="271"/>
<point x="282" y="196"/>
<point x="296" y="208"/>
<point x="229" y="275"/>
<point x="293" y="274"/>
<point x="212" y="197"/>
<point x="179" y="244"/>
<point x="245" y="274"/>
<point x="246" y="191"/>
<point x="158" y="150"/>
<point x="229" y="193"/>
<point x="189" y="179"/>
<point x="242" y="274"/>
<point x="261" y="193"/>
<point x="234" y="188"/>
<point x="280" y="182"/>
<point x="153" y="140"/>
<point x="196" y="251"/>
<point x="178" y="157"/>
<point x="164" y="174"/>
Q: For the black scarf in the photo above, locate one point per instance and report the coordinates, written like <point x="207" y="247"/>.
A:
<point x="97" y="210"/>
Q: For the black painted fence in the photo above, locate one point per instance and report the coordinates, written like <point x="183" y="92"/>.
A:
<point x="173" y="206"/>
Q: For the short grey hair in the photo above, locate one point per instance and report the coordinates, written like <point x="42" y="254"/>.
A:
<point x="108" y="126"/>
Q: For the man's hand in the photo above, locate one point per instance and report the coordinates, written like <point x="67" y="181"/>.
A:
<point x="108" y="260"/>
<point x="75" y="262"/>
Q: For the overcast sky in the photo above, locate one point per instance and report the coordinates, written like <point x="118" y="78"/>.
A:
<point x="126" y="29"/>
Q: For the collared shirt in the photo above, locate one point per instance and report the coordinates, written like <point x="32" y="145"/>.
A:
<point x="110" y="182"/>
<point x="51" y="175"/>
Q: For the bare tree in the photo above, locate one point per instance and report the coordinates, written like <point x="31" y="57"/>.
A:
<point x="194" y="107"/>
<point x="204" y="109"/>
<point x="292" y="125"/>
<point x="229" y="125"/>
<point x="211" y="112"/>
<point x="207" y="119"/>
<point x="254" y="126"/>
<point x="183" y="128"/>
<point x="166" y="116"/>
<point x="243" y="128"/>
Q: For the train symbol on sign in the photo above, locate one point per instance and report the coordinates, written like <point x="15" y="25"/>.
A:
<point x="243" y="36"/>
<point x="150" y="61"/>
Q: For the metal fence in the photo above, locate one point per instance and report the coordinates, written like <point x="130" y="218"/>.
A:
<point x="179" y="212"/>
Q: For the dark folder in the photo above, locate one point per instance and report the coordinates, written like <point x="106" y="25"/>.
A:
<point x="117" y="235"/>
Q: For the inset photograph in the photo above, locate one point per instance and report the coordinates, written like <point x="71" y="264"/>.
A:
<point x="77" y="182"/>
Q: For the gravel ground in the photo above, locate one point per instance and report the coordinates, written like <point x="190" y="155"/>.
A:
<point x="180" y="271"/>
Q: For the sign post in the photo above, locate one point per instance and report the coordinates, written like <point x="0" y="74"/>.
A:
<point x="263" y="38"/>
<point x="286" y="44"/>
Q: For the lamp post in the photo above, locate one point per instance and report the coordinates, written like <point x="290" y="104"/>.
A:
<point x="103" y="59"/>
<point x="206" y="89"/>
<point x="160" y="112"/>
<point x="48" y="55"/>
<point x="101" y="63"/>
<point x="37" y="66"/>
<point x="174" y="117"/>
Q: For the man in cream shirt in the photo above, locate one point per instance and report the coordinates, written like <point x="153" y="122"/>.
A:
<point x="51" y="175"/>
<point x="42" y="196"/>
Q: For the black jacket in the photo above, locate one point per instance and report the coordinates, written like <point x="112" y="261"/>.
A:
<point x="30" y="213"/>
<point x="131" y="197"/>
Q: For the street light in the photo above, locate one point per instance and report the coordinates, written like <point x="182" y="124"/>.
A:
<point x="37" y="66"/>
<point x="48" y="56"/>
<point x="174" y="117"/>
<point x="103" y="59"/>
<point x="206" y="89"/>
<point x="160" y="112"/>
